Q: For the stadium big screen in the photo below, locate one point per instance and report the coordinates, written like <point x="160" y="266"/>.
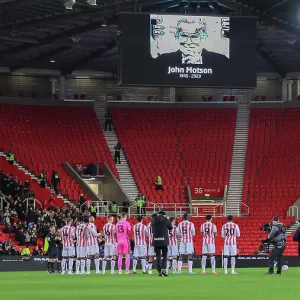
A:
<point x="174" y="50"/>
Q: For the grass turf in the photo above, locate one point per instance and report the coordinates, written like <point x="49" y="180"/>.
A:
<point x="249" y="284"/>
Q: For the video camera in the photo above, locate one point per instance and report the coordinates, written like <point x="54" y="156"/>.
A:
<point x="267" y="227"/>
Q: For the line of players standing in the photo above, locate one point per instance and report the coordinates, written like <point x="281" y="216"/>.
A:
<point x="85" y="238"/>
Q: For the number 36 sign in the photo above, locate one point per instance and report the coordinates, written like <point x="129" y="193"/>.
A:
<point x="212" y="191"/>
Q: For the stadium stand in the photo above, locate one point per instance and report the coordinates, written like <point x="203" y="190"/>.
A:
<point x="44" y="137"/>
<point x="183" y="145"/>
<point x="271" y="183"/>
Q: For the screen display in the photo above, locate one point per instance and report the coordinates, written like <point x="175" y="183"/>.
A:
<point x="173" y="50"/>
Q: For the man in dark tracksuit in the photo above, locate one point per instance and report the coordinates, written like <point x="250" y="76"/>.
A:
<point x="108" y="121"/>
<point x="118" y="153"/>
<point x="160" y="230"/>
<point x="53" y="239"/>
<point x="296" y="238"/>
<point x="277" y="237"/>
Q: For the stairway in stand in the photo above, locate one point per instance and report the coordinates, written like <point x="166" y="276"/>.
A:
<point x="125" y="176"/>
<point x="237" y="172"/>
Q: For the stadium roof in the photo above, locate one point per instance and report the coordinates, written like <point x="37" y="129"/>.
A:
<point x="43" y="34"/>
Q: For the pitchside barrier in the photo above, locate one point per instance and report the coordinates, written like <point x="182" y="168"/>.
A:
<point x="39" y="263"/>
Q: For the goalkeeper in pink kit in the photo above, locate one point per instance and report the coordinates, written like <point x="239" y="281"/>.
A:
<point x="123" y="229"/>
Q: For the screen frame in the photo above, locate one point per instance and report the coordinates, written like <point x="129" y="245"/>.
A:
<point x="119" y="75"/>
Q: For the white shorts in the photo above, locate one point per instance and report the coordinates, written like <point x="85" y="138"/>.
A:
<point x="110" y="250"/>
<point x="172" y="251"/>
<point x="81" y="252"/>
<point x="68" y="252"/>
<point x="151" y="251"/>
<point x="92" y="250"/>
<point x="208" y="248"/>
<point x="140" y="251"/>
<point x="186" y="248"/>
<point x="230" y="250"/>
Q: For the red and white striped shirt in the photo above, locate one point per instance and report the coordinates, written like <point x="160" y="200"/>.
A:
<point x="92" y="235"/>
<point x="81" y="235"/>
<point x="109" y="233"/>
<point x="68" y="236"/>
<point x="140" y="232"/>
<point x="173" y="236"/>
<point x="208" y="230"/>
<point x="230" y="231"/>
<point x="186" y="230"/>
<point x="149" y="227"/>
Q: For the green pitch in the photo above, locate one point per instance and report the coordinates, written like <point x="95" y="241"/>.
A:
<point x="250" y="284"/>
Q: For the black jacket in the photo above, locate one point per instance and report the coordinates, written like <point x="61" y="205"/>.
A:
<point x="160" y="230"/>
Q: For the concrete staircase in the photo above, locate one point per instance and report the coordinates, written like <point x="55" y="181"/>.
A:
<point x="125" y="176"/>
<point x="32" y="176"/>
<point x="237" y="172"/>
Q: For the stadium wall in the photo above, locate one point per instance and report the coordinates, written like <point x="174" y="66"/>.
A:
<point x="39" y="263"/>
<point x="96" y="88"/>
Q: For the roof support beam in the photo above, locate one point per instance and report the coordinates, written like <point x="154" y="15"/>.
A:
<point x="276" y="5"/>
<point x="93" y="55"/>
<point x="44" y="55"/>
<point x="270" y="61"/>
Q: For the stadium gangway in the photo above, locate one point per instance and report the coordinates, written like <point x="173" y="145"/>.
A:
<point x="32" y="202"/>
<point x="241" y="208"/>
<point x="2" y="200"/>
<point x="293" y="212"/>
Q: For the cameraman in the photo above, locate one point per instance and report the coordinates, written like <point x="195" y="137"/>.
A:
<point x="277" y="238"/>
<point x="296" y="238"/>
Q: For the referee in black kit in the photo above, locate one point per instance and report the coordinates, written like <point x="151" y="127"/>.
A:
<point x="160" y="230"/>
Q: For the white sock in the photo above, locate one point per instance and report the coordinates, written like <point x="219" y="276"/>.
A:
<point x="82" y="265"/>
<point x="88" y="265"/>
<point x="190" y="262"/>
<point x="144" y="264"/>
<point x="225" y="263"/>
<point x="63" y="265"/>
<point x="78" y="262"/>
<point x="179" y="265"/>
<point x="134" y="264"/>
<point x="213" y="263"/>
<point x="168" y="264"/>
<point x="150" y="266"/>
<point x="71" y="264"/>
<point x="203" y="262"/>
<point x="232" y="264"/>
<point x="174" y="265"/>
<point x="104" y="263"/>
<point x="97" y="264"/>
<point x="112" y="264"/>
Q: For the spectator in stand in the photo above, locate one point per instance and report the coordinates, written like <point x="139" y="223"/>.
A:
<point x="8" y="229"/>
<point x="55" y="181"/>
<point x="1" y="248"/>
<point x="93" y="210"/>
<point x="158" y="183"/>
<point x="126" y="206"/>
<point x="25" y="253"/>
<point x="27" y="185"/>
<point x="6" y="217"/>
<point x="108" y="121"/>
<point x="43" y="178"/>
<point x="81" y="203"/>
<point x="118" y="149"/>
<point x="36" y="251"/>
<point x="11" y="157"/>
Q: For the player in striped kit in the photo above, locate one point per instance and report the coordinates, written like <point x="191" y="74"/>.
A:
<point x="173" y="247"/>
<point x="68" y="236"/>
<point x="92" y="247"/>
<point x="151" y="252"/>
<point x="81" y="241"/>
<point x="186" y="230"/>
<point x="209" y="232"/>
<point x="140" y="232"/>
<point x="109" y="230"/>
<point x="230" y="231"/>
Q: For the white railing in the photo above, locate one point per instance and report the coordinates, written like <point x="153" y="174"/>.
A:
<point x="2" y="200"/>
<point x="293" y="212"/>
<point x="32" y="202"/>
<point x="242" y="209"/>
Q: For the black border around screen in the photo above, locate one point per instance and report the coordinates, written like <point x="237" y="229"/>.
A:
<point x="136" y="65"/>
